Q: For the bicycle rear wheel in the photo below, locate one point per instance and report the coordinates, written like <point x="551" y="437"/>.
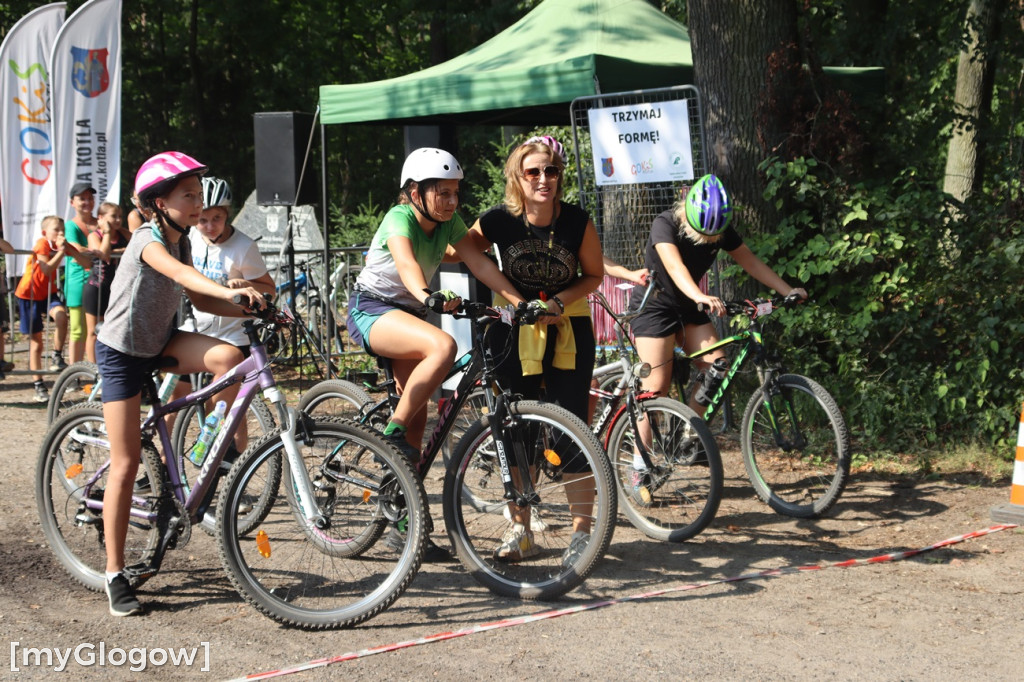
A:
<point x="559" y="443"/>
<point x="76" y="384"/>
<point x="332" y="576"/>
<point x="679" y="496"/>
<point x="71" y="477"/>
<point x="796" y="447"/>
<point x="187" y="427"/>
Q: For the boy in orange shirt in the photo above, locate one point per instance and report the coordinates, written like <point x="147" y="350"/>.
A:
<point x="37" y="293"/>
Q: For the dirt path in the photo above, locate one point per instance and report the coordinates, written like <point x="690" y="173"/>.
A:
<point x="945" y="614"/>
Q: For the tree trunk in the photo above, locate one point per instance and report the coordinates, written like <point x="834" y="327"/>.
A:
<point x="731" y="43"/>
<point x="971" y="79"/>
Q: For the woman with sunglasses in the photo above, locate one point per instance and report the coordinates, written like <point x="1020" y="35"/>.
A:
<point x="550" y="251"/>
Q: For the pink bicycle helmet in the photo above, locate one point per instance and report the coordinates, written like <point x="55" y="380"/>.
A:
<point x="159" y="171"/>
<point x="555" y="145"/>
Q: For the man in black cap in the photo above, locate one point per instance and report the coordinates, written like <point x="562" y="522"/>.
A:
<point x="76" y="270"/>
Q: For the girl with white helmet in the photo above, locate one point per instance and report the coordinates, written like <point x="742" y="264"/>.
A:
<point x="387" y="311"/>
<point x="139" y="327"/>
<point x="229" y="258"/>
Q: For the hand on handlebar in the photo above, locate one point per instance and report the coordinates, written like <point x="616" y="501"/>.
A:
<point x="444" y="301"/>
<point x="711" y="305"/>
<point x="247" y="297"/>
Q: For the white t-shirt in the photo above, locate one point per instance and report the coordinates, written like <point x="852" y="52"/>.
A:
<point x="235" y="258"/>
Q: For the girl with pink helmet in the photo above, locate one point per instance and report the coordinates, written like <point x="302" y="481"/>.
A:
<point x="139" y="328"/>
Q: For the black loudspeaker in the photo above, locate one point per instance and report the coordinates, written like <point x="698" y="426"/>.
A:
<point x="281" y="138"/>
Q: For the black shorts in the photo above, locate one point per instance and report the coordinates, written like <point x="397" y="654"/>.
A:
<point x="122" y="374"/>
<point x="661" y="320"/>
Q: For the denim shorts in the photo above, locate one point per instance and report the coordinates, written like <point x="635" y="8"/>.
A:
<point x="122" y="374"/>
<point x="363" y="311"/>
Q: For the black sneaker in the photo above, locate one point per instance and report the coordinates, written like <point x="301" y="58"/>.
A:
<point x="397" y="439"/>
<point x="58" y="364"/>
<point x="229" y="457"/>
<point x="122" y="597"/>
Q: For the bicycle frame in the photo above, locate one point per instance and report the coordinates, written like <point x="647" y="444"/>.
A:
<point x="255" y="375"/>
<point x="479" y="368"/>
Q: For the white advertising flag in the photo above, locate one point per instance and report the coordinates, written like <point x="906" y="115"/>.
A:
<point x="85" y="82"/>
<point x="647" y="142"/>
<point x="26" y="149"/>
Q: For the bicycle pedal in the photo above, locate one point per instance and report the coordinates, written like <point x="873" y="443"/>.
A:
<point x="139" y="572"/>
<point x="87" y="518"/>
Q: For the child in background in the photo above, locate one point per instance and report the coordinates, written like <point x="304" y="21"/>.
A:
<point x="107" y="240"/>
<point x="232" y="259"/>
<point x="37" y="294"/>
<point x="76" y="270"/>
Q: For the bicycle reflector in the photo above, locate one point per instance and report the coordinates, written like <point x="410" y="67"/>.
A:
<point x="552" y="457"/>
<point x="263" y="544"/>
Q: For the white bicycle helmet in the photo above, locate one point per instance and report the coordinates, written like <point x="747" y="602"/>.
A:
<point x="216" y="193"/>
<point x="428" y="163"/>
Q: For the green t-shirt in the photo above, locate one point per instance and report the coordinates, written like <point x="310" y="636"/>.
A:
<point x="380" y="276"/>
<point x="74" y="274"/>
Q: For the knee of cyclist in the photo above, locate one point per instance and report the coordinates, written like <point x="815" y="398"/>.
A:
<point x="445" y="349"/>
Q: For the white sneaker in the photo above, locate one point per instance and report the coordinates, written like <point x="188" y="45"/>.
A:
<point x="517" y="544"/>
<point x="537" y="524"/>
<point x="577" y="545"/>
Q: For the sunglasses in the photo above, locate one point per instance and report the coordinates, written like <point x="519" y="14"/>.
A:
<point x="551" y="171"/>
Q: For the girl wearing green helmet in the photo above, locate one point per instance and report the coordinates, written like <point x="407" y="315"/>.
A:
<point x="683" y="244"/>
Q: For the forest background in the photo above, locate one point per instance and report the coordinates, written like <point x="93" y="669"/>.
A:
<point x="899" y="210"/>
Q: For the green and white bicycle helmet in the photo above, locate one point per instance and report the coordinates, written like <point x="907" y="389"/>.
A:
<point x="707" y="206"/>
<point x="216" y="193"/>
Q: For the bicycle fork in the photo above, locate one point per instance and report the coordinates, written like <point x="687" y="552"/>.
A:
<point x="301" y="485"/>
<point x="525" y="495"/>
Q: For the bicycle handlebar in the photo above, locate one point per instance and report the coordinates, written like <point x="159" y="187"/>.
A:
<point x="758" y="307"/>
<point x="521" y="314"/>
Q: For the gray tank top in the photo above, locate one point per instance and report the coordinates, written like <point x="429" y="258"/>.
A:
<point x="140" y="318"/>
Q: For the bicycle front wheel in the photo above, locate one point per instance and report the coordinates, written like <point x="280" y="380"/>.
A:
<point x="71" y="477"/>
<point x="796" y="447"/>
<point x="567" y="465"/>
<point x="325" y="573"/>
<point x="678" y="495"/>
<point x="77" y="383"/>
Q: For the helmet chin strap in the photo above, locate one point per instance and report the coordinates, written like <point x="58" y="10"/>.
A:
<point x="169" y="221"/>
<point x="422" y="207"/>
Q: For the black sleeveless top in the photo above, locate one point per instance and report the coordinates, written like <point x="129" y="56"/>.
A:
<point x="537" y="259"/>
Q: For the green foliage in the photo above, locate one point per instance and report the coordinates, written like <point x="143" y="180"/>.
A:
<point x="486" y="180"/>
<point x="355" y="228"/>
<point x="915" y="324"/>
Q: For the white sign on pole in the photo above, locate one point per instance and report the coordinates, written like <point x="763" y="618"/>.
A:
<point x="26" y="150"/>
<point x="646" y="142"/>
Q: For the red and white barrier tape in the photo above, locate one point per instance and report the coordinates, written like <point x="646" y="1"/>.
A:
<point x="546" y="615"/>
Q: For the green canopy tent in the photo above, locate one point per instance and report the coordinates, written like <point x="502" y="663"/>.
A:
<point x="531" y="71"/>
